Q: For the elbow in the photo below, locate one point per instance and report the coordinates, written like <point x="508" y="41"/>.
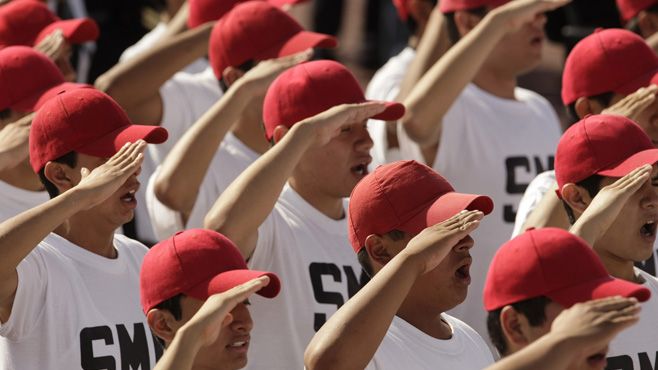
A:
<point x="217" y="221"/>
<point x="416" y="131"/>
<point x="171" y="198"/>
<point x="315" y="359"/>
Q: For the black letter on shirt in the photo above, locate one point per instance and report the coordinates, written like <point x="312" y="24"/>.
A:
<point x="622" y="362"/>
<point x="87" y="359"/>
<point x="316" y="270"/>
<point x="512" y="186"/>
<point x="134" y="353"/>
<point x="354" y="285"/>
<point x="645" y="361"/>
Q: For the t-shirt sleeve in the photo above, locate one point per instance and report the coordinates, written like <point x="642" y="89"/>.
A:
<point x="535" y="192"/>
<point x="30" y="298"/>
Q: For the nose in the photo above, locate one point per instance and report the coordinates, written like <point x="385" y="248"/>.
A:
<point x="363" y="141"/>
<point x="465" y="244"/>
<point x="242" y="322"/>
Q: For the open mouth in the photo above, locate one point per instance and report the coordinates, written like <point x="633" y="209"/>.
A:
<point x="238" y="344"/>
<point x="463" y="273"/>
<point x="536" y="40"/>
<point x="648" y="230"/>
<point x="129" y="197"/>
<point x="360" y="169"/>
<point x="597" y="360"/>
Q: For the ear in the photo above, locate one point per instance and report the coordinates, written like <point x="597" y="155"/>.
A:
<point x="60" y="175"/>
<point x="466" y="21"/>
<point x="420" y="11"/>
<point x="584" y="106"/>
<point x="511" y="324"/>
<point x="279" y="132"/>
<point x="576" y="197"/>
<point x="162" y="323"/>
<point x="231" y="74"/>
<point x="377" y="250"/>
<point x="648" y="23"/>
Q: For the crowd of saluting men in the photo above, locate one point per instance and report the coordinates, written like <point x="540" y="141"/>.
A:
<point x="303" y="223"/>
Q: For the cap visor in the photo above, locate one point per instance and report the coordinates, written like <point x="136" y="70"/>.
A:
<point x="36" y="100"/>
<point x="392" y="112"/>
<point x="76" y="31"/>
<point x="599" y="288"/>
<point x="299" y="42"/>
<point x="281" y="3"/>
<point x="232" y="278"/>
<point x="446" y="206"/>
<point x="107" y="145"/>
<point x="649" y="156"/>
<point x="644" y="80"/>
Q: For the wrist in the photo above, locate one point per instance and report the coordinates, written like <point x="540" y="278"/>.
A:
<point x="412" y="260"/>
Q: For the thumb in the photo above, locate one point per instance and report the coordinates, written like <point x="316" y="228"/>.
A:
<point x="227" y="320"/>
<point x="84" y="172"/>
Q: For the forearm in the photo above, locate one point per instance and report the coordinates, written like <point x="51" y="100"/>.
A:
<point x="438" y="89"/>
<point x="186" y="165"/>
<point x="20" y="234"/>
<point x="546" y="353"/>
<point x="432" y="45"/>
<point x="140" y="78"/>
<point x="245" y="204"/>
<point x="181" y="352"/>
<point x="352" y="335"/>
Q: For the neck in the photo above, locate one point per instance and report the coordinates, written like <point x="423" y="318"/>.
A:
<point x="250" y="131"/>
<point x="329" y="206"/>
<point x="22" y="177"/>
<point x="496" y="82"/>
<point x="98" y="239"/>
<point x="424" y="318"/>
<point x="617" y="267"/>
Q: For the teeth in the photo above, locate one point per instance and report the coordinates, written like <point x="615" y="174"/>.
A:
<point x="238" y="344"/>
<point x="132" y="192"/>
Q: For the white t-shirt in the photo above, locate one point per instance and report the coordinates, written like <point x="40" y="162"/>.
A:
<point x="385" y="85"/>
<point x="149" y="40"/>
<point x="15" y="200"/>
<point x="636" y="348"/>
<point x="74" y="309"/>
<point x="230" y="160"/>
<point x="319" y="271"/>
<point x="492" y="146"/>
<point x="406" y="348"/>
<point x="534" y="194"/>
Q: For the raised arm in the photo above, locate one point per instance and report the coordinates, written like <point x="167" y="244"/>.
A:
<point x="352" y="335"/>
<point x="21" y="234"/>
<point x="14" y="142"/>
<point x="247" y="202"/>
<point x="438" y="89"/>
<point x="135" y="84"/>
<point x="184" y="168"/>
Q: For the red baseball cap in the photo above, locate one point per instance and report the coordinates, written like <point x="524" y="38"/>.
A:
<point x="311" y="88"/>
<point x="406" y="196"/>
<point x="553" y="263"/>
<point x="28" y="79"/>
<point x="256" y="30"/>
<point x="197" y="263"/>
<point x="630" y="8"/>
<point x="204" y="11"/>
<point x="402" y="7"/>
<point x="611" y="60"/>
<point x="602" y="144"/>
<point x="282" y="3"/>
<point x="86" y="121"/>
<point x="449" y="6"/>
<point x="27" y="22"/>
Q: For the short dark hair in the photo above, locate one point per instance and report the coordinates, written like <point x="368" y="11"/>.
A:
<point x="592" y="185"/>
<point x="364" y="259"/>
<point x="453" y="32"/>
<point x="604" y="99"/>
<point x="244" y="67"/>
<point x="412" y="25"/>
<point x="633" y="24"/>
<point x="5" y="113"/>
<point x="534" y="309"/>
<point x="70" y="159"/>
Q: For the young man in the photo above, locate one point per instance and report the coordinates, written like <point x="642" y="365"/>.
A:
<point x="640" y="16"/>
<point x="286" y="211"/>
<point x="537" y="275"/>
<point x="385" y="84"/>
<point x="610" y="71"/>
<point x="397" y="320"/>
<point x="591" y="155"/>
<point x="214" y="154"/>
<point x="178" y="277"/>
<point x="28" y="79"/>
<point x="28" y="22"/>
<point x="467" y="112"/>
<point x="69" y="285"/>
